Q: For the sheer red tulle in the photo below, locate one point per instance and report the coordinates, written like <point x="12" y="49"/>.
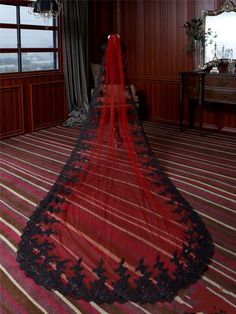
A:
<point x="113" y="227"/>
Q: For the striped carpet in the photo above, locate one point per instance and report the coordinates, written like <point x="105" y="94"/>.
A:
<point x="202" y="168"/>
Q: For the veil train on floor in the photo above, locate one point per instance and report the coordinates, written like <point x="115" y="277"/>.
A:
<point x="113" y="227"/>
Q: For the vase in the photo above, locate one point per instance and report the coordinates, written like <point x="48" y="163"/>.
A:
<point x="197" y="55"/>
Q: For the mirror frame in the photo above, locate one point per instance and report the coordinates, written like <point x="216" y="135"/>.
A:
<point x="228" y="6"/>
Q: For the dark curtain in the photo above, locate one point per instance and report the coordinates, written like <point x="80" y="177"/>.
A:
<point x="75" y="51"/>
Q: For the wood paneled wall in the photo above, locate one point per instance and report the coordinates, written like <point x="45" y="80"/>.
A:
<point x="29" y="103"/>
<point x="155" y="40"/>
<point x="12" y="111"/>
<point x="47" y="103"/>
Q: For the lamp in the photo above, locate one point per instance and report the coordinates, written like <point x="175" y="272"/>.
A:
<point x="46" y="8"/>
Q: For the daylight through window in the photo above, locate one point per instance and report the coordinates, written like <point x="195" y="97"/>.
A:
<point x="26" y="43"/>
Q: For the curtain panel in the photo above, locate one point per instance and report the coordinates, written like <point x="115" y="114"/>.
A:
<point x="75" y="51"/>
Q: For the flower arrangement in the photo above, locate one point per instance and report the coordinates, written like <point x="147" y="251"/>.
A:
<point x="196" y="32"/>
<point x="195" y="29"/>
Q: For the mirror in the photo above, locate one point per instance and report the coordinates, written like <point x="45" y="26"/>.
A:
<point x="220" y="35"/>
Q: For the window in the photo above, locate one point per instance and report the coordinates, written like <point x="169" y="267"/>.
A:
<point x="26" y="42"/>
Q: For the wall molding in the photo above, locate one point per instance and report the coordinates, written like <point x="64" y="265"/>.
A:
<point x="12" y="111"/>
<point x="47" y="103"/>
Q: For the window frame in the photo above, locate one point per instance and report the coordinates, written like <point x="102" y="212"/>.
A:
<point x="18" y="50"/>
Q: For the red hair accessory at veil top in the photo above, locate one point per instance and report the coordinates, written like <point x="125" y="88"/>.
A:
<point x="113" y="227"/>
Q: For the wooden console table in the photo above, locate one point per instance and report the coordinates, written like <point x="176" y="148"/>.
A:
<point x="203" y="87"/>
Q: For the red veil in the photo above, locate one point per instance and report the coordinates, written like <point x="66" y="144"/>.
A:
<point x="113" y="227"/>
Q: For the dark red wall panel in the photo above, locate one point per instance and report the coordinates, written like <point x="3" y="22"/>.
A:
<point x="155" y="40"/>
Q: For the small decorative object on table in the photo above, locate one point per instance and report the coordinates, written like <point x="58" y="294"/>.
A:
<point x="231" y="67"/>
<point x="197" y="37"/>
<point x="215" y="69"/>
<point x="231" y="63"/>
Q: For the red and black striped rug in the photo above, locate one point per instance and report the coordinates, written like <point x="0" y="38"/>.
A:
<point x="202" y="168"/>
